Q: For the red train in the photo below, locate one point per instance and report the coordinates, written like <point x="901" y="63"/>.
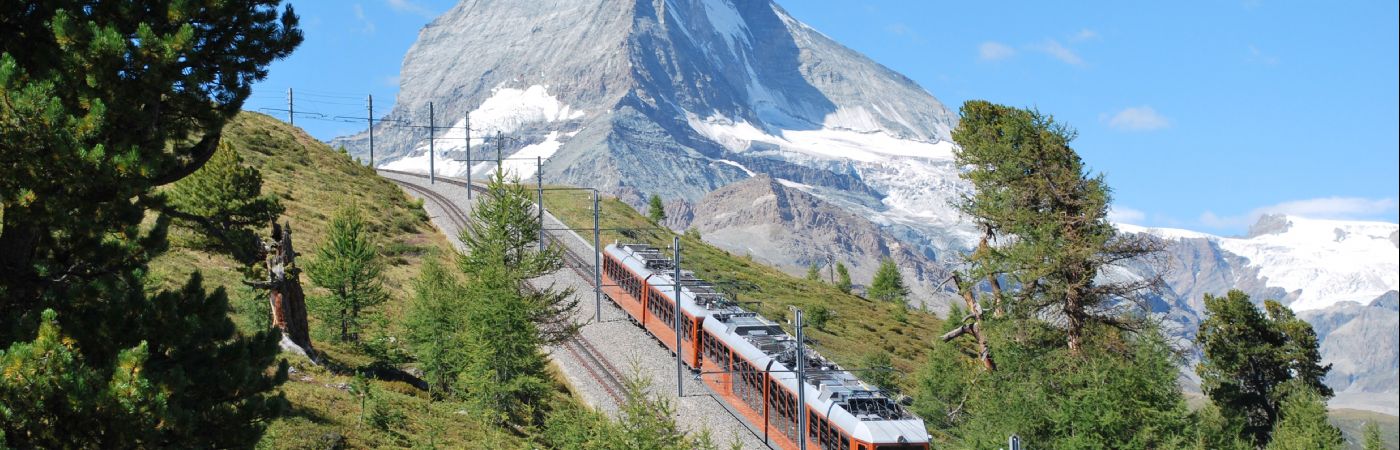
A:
<point x="754" y="361"/>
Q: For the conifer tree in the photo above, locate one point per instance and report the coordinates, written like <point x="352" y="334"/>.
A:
<point x="1372" y="437"/>
<point x="349" y="267"/>
<point x="1031" y="184"/>
<point x="223" y="201"/>
<point x="508" y="319"/>
<point x="435" y="322"/>
<point x="101" y="103"/>
<point x="1302" y="424"/>
<point x="813" y="273"/>
<point x="843" y="278"/>
<point x="888" y="284"/>
<point x="656" y="211"/>
<point x="1248" y="357"/>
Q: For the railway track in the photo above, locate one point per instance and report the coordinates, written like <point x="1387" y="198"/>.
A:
<point x="579" y="347"/>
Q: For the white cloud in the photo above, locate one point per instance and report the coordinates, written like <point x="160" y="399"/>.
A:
<point x="410" y="7"/>
<point x="1059" y="51"/>
<point x="1118" y="214"/>
<point x="1084" y="35"/>
<point x="994" y="51"/>
<point x="1138" y="118"/>
<point x="1337" y="208"/>
<point x="366" y="25"/>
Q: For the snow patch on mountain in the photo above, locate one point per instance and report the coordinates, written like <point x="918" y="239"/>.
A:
<point x="1325" y="261"/>
<point x="506" y="111"/>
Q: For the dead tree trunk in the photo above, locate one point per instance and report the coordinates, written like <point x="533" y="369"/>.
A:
<point x="984" y="352"/>
<point x="284" y="291"/>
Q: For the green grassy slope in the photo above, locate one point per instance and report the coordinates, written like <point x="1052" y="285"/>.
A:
<point x="857" y="328"/>
<point x="313" y="181"/>
<point x="1353" y="424"/>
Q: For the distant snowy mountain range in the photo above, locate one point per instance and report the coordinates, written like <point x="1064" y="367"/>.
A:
<point x="772" y="139"/>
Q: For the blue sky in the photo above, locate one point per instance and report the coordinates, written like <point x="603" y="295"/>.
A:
<point x="1202" y="114"/>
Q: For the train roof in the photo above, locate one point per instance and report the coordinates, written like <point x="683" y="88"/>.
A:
<point x="861" y="409"/>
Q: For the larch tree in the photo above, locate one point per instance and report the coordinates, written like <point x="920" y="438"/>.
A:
<point x="348" y="266"/>
<point x="888" y="284"/>
<point x="656" y="211"/>
<point x="100" y="104"/>
<point x="843" y="278"/>
<point x="509" y="319"/>
<point x="813" y="273"/>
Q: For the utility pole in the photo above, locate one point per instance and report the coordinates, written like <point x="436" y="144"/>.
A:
<point x="597" y="265"/>
<point x="432" y="173"/>
<point x="801" y="385"/>
<point x="371" y="131"/>
<point x="468" y="128"/>
<point x="680" y="381"/>
<point x="539" y="184"/>
<point x="499" y="139"/>
<point x="291" y="112"/>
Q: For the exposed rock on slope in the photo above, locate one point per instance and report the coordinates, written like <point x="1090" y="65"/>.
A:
<point x="791" y="229"/>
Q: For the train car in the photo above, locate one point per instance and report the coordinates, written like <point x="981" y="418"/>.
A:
<point x="751" y="363"/>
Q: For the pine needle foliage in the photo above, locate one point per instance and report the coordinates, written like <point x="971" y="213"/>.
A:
<point x="1250" y="355"/>
<point x="348" y="265"/>
<point x="656" y="211"/>
<point x="223" y="202"/>
<point x="888" y="284"/>
<point x="100" y="104"/>
<point x="510" y="320"/>
<point x="1050" y="216"/>
<point x="843" y="278"/>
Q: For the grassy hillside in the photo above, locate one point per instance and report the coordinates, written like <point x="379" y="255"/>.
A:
<point x="1353" y="424"/>
<point x="857" y="328"/>
<point x="313" y="181"/>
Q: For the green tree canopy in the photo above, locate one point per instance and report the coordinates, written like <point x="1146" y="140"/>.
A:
<point x="505" y="320"/>
<point x="1248" y="356"/>
<point x="656" y="211"/>
<point x="1302" y="424"/>
<point x="1030" y="184"/>
<point x="843" y="278"/>
<point x="814" y="273"/>
<point x="888" y="284"/>
<point x="223" y="201"/>
<point x="100" y="103"/>
<point x="347" y="265"/>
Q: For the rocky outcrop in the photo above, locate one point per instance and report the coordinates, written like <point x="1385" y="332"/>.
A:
<point x="792" y="230"/>
<point x="1362" y="342"/>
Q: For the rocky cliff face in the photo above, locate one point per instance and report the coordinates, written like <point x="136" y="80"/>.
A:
<point x="785" y="227"/>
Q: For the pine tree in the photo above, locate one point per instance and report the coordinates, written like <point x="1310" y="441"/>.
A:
<point x="1248" y="357"/>
<point x="1031" y="184"/>
<point x="1303" y="421"/>
<point x="100" y="104"/>
<point x="888" y="284"/>
<point x="813" y="273"/>
<point x="348" y="266"/>
<point x="843" y="278"/>
<point x="223" y="201"/>
<point x="656" y="211"/>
